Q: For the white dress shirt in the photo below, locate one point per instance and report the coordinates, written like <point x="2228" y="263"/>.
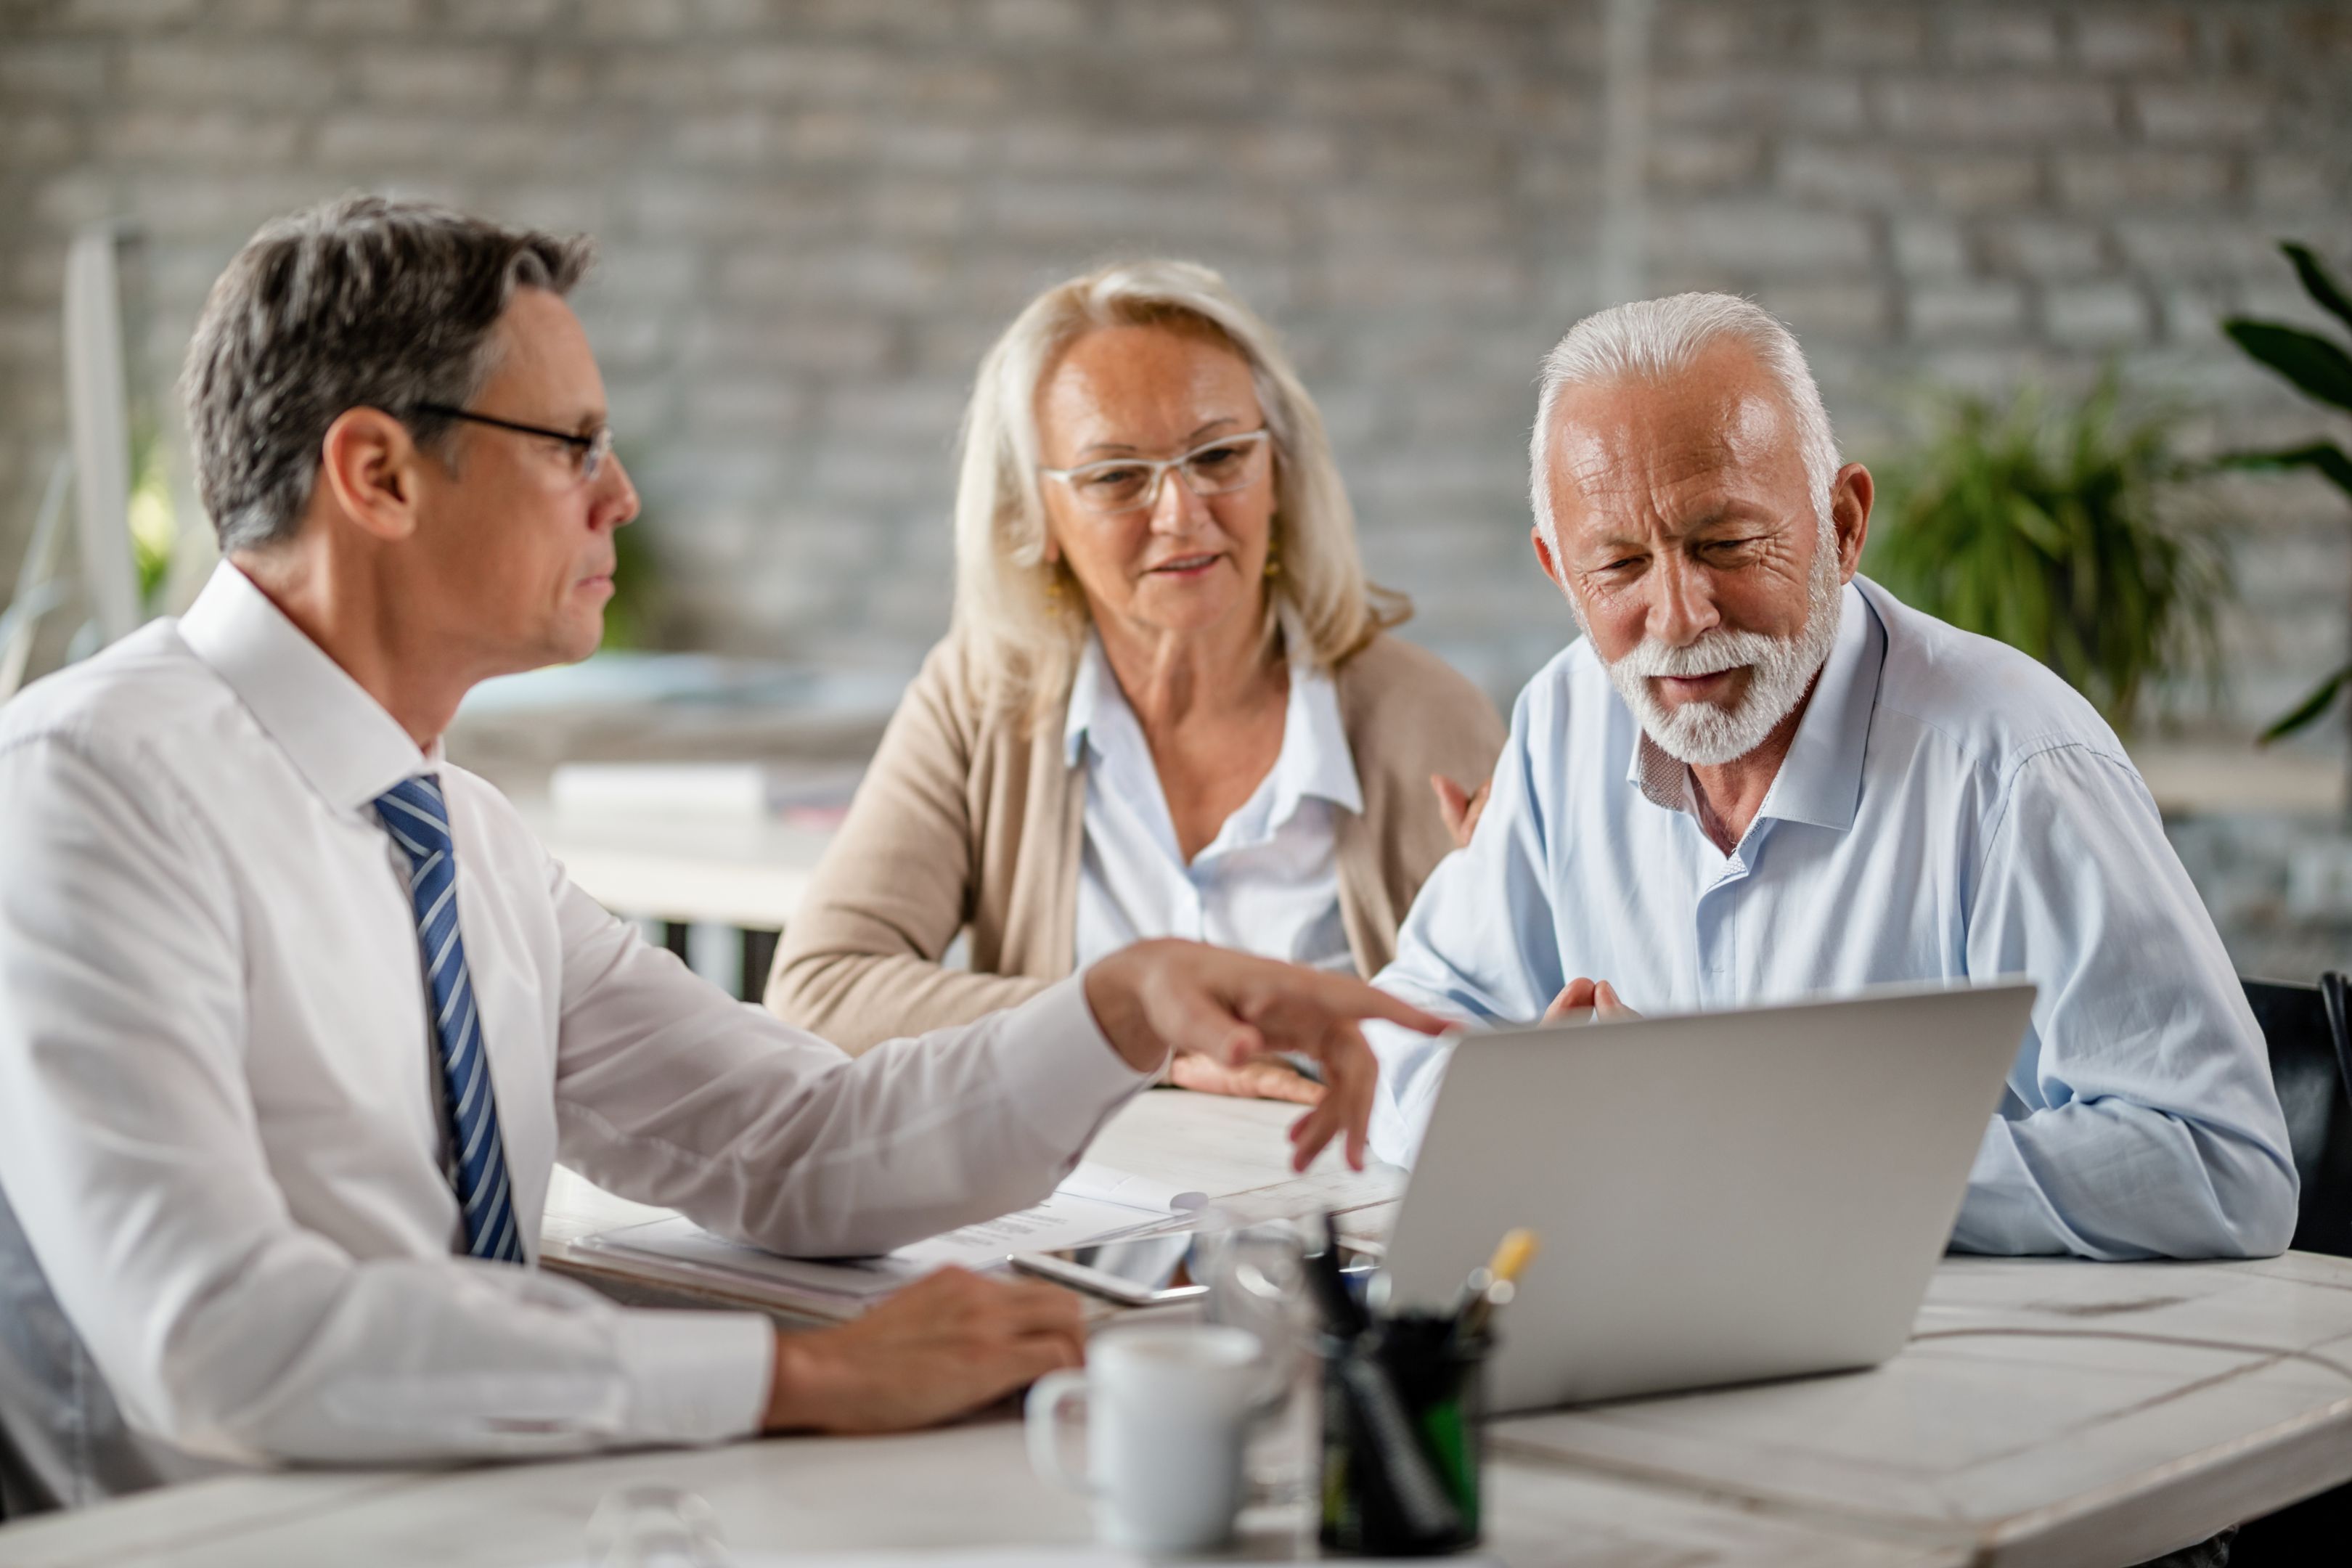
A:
<point x="1269" y="883"/>
<point x="1948" y="809"/>
<point x="221" y="1129"/>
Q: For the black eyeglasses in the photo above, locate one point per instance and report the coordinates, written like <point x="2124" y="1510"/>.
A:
<point x="588" y="452"/>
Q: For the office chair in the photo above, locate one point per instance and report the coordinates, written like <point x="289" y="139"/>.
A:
<point x="2310" y="1045"/>
<point x="2311" y="1061"/>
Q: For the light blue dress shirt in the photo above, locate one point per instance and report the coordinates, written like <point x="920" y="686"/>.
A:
<point x="1949" y="809"/>
<point x="1269" y="883"/>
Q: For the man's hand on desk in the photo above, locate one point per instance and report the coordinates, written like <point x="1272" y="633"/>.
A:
<point x="1596" y="997"/>
<point x="949" y="1343"/>
<point x="1156" y="997"/>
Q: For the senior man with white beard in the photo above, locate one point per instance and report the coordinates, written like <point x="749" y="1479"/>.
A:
<point x="1758" y="777"/>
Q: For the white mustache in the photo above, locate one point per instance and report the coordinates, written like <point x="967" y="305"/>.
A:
<point x="1714" y="653"/>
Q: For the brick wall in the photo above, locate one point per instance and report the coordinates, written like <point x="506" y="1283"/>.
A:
<point x="815" y="215"/>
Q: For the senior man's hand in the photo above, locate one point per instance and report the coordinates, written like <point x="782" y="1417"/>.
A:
<point x="1161" y="996"/>
<point x="1461" y="808"/>
<point x="1595" y="999"/>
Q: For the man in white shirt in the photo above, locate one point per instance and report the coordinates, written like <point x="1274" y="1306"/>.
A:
<point x="295" y="1018"/>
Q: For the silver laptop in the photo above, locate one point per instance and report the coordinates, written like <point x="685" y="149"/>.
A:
<point x="1720" y="1196"/>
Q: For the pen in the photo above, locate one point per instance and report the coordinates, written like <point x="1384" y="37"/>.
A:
<point x="1494" y="1286"/>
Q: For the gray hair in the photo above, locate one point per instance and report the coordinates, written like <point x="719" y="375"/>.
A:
<point x="1653" y="339"/>
<point x="363" y="303"/>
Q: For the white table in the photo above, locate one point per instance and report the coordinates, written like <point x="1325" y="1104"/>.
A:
<point x="970" y="1485"/>
<point x="2047" y="1412"/>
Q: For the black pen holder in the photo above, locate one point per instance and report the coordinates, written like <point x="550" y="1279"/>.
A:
<point x="1404" y="1435"/>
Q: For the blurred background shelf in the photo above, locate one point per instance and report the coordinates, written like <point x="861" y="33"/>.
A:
<point x="2192" y="778"/>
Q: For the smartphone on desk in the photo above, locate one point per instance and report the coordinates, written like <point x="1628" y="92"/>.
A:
<point x="1147" y="1271"/>
<point x="1140" y="1271"/>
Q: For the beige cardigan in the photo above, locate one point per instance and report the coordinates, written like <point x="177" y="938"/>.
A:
<point x="965" y="819"/>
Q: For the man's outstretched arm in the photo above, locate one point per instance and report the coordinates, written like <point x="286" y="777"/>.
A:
<point x="670" y="1092"/>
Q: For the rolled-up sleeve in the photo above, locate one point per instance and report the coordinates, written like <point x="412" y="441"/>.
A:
<point x="2142" y="1120"/>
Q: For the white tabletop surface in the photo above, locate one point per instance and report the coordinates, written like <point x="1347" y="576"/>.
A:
<point x="2046" y="1412"/>
<point x="967" y="1486"/>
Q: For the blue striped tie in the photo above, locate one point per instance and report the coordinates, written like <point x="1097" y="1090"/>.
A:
<point x="417" y="816"/>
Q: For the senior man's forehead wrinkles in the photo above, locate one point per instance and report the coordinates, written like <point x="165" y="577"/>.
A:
<point x="1646" y="476"/>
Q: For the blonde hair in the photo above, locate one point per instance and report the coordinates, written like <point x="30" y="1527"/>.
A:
<point x="1022" y="631"/>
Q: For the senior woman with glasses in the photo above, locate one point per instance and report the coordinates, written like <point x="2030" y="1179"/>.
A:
<point x="1166" y="705"/>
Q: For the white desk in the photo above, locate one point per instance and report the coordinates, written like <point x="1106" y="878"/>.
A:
<point x="2048" y="1412"/>
<point x="970" y="1485"/>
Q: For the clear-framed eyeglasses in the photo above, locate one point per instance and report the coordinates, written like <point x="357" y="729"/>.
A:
<point x="588" y="451"/>
<point x="1132" y="484"/>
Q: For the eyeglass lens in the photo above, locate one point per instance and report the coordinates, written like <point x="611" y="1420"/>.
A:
<point x="1209" y="472"/>
<point x="591" y="457"/>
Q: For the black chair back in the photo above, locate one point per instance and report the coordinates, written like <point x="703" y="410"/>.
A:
<point x="2311" y="1061"/>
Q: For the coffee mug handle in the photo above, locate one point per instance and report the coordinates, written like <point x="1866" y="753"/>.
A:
<point x="1042" y="1414"/>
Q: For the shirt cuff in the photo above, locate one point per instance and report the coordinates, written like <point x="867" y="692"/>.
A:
<point x="1063" y="1073"/>
<point x="696" y="1377"/>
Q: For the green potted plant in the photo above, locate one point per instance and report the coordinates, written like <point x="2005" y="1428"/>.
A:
<point x="2320" y="369"/>
<point x="2066" y="531"/>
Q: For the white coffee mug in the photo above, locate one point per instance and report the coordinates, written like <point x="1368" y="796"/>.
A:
<point x="1167" y="1408"/>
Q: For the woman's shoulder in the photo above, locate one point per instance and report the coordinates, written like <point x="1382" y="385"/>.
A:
<point x="1389" y="673"/>
<point x="952" y="680"/>
<point x="1401" y="700"/>
<point x="953" y="692"/>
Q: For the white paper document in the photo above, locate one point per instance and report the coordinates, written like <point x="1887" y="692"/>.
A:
<point x="1093" y="1203"/>
<point x="1113" y="1185"/>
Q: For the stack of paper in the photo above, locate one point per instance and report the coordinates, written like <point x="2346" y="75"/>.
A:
<point x="1094" y="1203"/>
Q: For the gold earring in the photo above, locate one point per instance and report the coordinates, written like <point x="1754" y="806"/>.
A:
<point x="1273" y="562"/>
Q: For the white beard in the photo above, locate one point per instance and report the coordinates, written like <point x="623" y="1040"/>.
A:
<point x="1703" y="734"/>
